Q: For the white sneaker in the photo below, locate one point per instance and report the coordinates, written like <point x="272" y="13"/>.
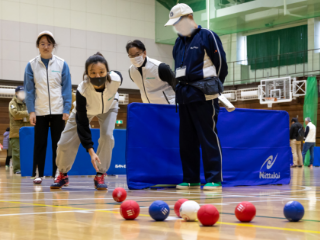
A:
<point x="37" y="180"/>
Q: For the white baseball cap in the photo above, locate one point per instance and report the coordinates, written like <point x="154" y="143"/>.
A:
<point x="45" y="33"/>
<point x="177" y="12"/>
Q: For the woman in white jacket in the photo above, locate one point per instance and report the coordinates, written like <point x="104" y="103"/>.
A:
<point x="96" y="96"/>
<point x="48" y="88"/>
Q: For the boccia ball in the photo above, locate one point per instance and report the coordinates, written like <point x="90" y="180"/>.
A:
<point x="159" y="210"/>
<point x="188" y="210"/>
<point x="177" y="206"/>
<point x="208" y="215"/>
<point x="245" y="211"/>
<point x="129" y="210"/>
<point x="119" y="194"/>
<point x="293" y="211"/>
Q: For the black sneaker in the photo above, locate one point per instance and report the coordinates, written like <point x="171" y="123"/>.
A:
<point x="99" y="182"/>
<point x="60" y="181"/>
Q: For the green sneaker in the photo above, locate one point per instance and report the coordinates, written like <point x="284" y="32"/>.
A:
<point x="212" y="186"/>
<point x="188" y="186"/>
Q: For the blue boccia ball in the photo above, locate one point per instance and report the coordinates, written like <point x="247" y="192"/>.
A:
<point x="293" y="211"/>
<point x="159" y="210"/>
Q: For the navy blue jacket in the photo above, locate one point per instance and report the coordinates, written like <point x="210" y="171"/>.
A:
<point x="190" y="52"/>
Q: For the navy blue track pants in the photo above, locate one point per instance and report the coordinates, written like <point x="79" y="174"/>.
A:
<point x="198" y="127"/>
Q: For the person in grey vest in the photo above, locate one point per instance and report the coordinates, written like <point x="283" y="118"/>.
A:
<point x="155" y="79"/>
<point x="310" y="140"/>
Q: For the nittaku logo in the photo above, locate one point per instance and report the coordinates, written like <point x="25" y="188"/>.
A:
<point x="268" y="164"/>
<point x="120" y="166"/>
<point x="171" y="14"/>
<point x="194" y="47"/>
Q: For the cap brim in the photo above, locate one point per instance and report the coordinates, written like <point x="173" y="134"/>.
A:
<point x="45" y="34"/>
<point x="172" y="21"/>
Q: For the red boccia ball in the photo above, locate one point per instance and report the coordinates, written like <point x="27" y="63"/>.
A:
<point x="208" y="215"/>
<point x="129" y="210"/>
<point x="119" y="194"/>
<point x="245" y="211"/>
<point x="177" y="206"/>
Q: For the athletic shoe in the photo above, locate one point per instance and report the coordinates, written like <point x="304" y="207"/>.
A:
<point x="7" y="167"/>
<point x="18" y="172"/>
<point x="188" y="186"/>
<point x="294" y="166"/>
<point x="212" y="186"/>
<point x="60" y="181"/>
<point x="37" y="180"/>
<point x="99" y="182"/>
<point x="300" y="166"/>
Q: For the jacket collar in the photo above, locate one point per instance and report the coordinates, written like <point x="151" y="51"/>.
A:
<point x="51" y="60"/>
<point x="18" y="100"/>
<point x="184" y="38"/>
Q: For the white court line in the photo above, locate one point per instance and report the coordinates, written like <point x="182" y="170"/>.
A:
<point x="81" y="211"/>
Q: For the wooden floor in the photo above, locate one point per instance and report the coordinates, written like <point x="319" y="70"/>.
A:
<point x="35" y="212"/>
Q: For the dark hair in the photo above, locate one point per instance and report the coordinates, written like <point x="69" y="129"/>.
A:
<point x="95" y="58"/>
<point x="137" y="44"/>
<point x="294" y="120"/>
<point x="8" y="129"/>
<point x="49" y="39"/>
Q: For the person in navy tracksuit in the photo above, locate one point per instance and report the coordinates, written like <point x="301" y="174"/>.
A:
<point x="198" y="54"/>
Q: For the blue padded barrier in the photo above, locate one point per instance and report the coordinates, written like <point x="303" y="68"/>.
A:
<point x="255" y="146"/>
<point x="316" y="161"/>
<point x="82" y="164"/>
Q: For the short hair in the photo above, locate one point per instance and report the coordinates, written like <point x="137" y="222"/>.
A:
<point x="135" y="43"/>
<point x="308" y="119"/>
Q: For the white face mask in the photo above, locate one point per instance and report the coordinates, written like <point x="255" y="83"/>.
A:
<point x="21" y="95"/>
<point x="137" y="61"/>
<point x="184" y="27"/>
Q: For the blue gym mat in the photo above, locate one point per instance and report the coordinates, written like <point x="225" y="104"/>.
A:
<point x="82" y="164"/>
<point x="255" y="146"/>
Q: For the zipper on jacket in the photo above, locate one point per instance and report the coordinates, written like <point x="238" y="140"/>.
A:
<point x="166" y="97"/>
<point x="145" y="92"/>
<point x="102" y="102"/>
<point x="48" y="87"/>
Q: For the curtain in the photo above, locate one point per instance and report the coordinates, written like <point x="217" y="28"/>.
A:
<point x="262" y="49"/>
<point x="293" y="45"/>
<point x="310" y="107"/>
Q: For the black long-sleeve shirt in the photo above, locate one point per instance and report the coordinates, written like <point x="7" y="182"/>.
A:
<point x="307" y="131"/>
<point x="82" y="120"/>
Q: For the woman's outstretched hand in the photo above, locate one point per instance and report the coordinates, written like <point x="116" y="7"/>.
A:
<point x="94" y="159"/>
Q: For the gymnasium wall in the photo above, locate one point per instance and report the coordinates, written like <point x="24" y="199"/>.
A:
<point x="81" y="28"/>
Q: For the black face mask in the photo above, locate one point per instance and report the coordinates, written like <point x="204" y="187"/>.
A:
<point x="98" y="81"/>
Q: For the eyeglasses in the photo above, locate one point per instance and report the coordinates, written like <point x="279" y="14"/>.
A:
<point x="43" y="45"/>
<point x="136" y="55"/>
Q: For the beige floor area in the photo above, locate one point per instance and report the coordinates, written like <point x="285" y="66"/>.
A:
<point x="35" y="212"/>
